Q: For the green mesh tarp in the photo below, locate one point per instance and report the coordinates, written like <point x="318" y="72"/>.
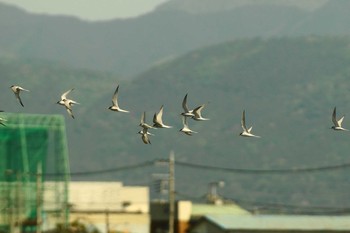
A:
<point x="34" y="172"/>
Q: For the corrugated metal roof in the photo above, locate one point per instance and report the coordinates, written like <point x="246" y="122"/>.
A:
<point x="204" y="209"/>
<point x="280" y="222"/>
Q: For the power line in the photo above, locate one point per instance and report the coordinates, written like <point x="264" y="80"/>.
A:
<point x="96" y="172"/>
<point x="201" y="166"/>
<point x="265" y="171"/>
<point x="104" y="171"/>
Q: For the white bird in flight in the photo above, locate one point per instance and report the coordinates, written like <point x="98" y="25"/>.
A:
<point x="145" y="132"/>
<point x="115" y="107"/>
<point x="158" y="119"/>
<point x="246" y="132"/>
<point x="337" y="123"/>
<point x="187" y="112"/>
<point x="198" y="115"/>
<point x="64" y="97"/>
<point x="185" y="129"/>
<point x="68" y="103"/>
<point x="17" y="89"/>
<point x="143" y="124"/>
<point x="144" y="135"/>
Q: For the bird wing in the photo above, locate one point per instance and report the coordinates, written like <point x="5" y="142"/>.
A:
<point x="70" y="112"/>
<point x="250" y="129"/>
<point x="243" y="121"/>
<point x="184" y="121"/>
<point x="334" y="117"/>
<point x="19" y="98"/>
<point x="185" y="128"/>
<point x="340" y="121"/>
<point x="159" y="116"/>
<point x="115" y="97"/>
<point x="197" y="111"/>
<point x="71" y="102"/>
<point x="184" y="104"/>
<point x="143" y="118"/>
<point x="155" y="120"/>
<point x="64" y="95"/>
<point x="22" y="89"/>
<point x="145" y="138"/>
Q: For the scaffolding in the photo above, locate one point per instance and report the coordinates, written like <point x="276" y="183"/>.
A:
<point x="34" y="173"/>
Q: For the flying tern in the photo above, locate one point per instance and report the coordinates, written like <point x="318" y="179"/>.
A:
<point x="187" y="112"/>
<point x="17" y="89"/>
<point x="68" y="103"/>
<point x="143" y="124"/>
<point x="158" y="119"/>
<point x="64" y="97"/>
<point x="144" y="135"/>
<point x="198" y="115"/>
<point x="142" y="131"/>
<point x="185" y="129"/>
<point x="337" y="123"/>
<point x="246" y="132"/>
<point x="115" y="106"/>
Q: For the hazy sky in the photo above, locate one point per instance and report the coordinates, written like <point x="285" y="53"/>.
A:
<point x="88" y="9"/>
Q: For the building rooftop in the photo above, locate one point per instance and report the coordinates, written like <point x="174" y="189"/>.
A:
<point x="279" y="222"/>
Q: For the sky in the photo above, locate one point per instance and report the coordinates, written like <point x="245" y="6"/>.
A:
<point x="92" y="10"/>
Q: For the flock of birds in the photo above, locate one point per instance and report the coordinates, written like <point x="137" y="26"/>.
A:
<point x="194" y="114"/>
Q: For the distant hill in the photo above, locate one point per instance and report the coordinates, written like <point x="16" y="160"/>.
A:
<point x="209" y="6"/>
<point x="327" y="20"/>
<point x="128" y="47"/>
<point x="288" y="88"/>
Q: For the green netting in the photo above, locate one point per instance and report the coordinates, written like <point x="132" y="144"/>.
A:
<point x="34" y="172"/>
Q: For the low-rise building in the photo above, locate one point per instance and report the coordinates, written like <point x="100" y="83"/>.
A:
<point x="226" y="223"/>
<point x="110" y="206"/>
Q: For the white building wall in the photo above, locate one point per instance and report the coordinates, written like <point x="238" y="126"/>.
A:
<point x="127" y="206"/>
<point x="137" y="197"/>
<point x="112" y="196"/>
<point x="184" y="210"/>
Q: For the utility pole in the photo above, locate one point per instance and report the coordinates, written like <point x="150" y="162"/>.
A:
<point x="171" y="192"/>
<point x="38" y="198"/>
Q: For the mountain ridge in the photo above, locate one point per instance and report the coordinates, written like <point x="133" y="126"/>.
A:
<point x="209" y="6"/>
<point x="130" y="46"/>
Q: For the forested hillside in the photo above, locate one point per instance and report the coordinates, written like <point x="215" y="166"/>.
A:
<point x="128" y="47"/>
<point x="288" y="88"/>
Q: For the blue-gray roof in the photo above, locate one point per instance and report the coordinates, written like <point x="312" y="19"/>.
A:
<point x="280" y="222"/>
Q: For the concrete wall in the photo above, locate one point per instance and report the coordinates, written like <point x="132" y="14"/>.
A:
<point x="124" y="222"/>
